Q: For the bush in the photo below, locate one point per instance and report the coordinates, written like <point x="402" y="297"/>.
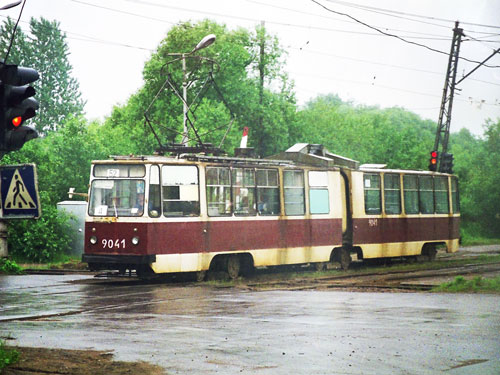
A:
<point x="42" y="240"/>
<point x="9" y="267"/>
<point x="7" y="356"/>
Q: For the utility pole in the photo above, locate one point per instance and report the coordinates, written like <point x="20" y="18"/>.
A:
<point x="443" y="129"/>
<point x="441" y="160"/>
<point x="262" y="65"/>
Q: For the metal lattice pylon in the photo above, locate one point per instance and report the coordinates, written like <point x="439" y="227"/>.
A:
<point x="443" y="130"/>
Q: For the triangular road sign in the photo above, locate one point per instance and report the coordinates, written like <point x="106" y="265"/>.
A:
<point x="18" y="196"/>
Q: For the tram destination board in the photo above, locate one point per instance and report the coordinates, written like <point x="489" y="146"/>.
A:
<point x="19" y="192"/>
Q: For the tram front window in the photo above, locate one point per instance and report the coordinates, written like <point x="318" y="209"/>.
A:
<point x="116" y="198"/>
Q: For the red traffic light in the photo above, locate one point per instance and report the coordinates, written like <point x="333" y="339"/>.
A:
<point x="16" y="121"/>
<point x="433" y="161"/>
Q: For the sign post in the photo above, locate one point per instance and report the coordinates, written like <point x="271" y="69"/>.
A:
<point x="19" y="197"/>
<point x="19" y="192"/>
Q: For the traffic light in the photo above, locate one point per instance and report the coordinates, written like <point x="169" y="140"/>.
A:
<point x="433" y="161"/>
<point x="447" y="163"/>
<point x="16" y="106"/>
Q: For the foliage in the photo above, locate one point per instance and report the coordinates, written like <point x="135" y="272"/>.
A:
<point x="477" y="162"/>
<point x="9" y="267"/>
<point x="7" y="356"/>
<point x="45" y="50"/>
<point x="476" y="285"/>
<point x="63" y="158"/>
<point x="252" y="102"/>
<point x="41" y="240"/>
<point x="250" y="76"/>
<point x="366" y="134"/>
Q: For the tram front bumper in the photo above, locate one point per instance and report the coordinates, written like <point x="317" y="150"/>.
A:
<point x="117" y="261"/>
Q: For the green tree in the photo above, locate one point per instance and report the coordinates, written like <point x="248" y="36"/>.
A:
<point x="391" y="136"/>
<point x="477" y="162"/>
<point x="243" y="95"/>
<point x="46" y="51"/>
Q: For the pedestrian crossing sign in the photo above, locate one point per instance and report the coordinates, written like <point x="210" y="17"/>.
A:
<point x="19" y="192"/>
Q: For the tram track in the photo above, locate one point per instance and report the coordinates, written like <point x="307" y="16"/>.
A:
<point x="379" y="280"/>
<point x="106" y="293"/>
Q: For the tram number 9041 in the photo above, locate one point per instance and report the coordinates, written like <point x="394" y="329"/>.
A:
<point x="113" y="244"/>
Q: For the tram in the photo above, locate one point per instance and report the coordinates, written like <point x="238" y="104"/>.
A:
<point x="195" y="213"/>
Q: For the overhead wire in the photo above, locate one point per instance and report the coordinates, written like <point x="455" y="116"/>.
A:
<point x="376" y="9"/>
<point x="443" y="37"/>
<point x="371" y="62"/>
<point x="364" y="83"/>
<point x="247" y="19"/>
<point x="403" y="39"/>
<point x="86" y="38"/>
<point x="82" y="37"/>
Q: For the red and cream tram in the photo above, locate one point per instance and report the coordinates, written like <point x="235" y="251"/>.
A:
<point x="194" y="213"/>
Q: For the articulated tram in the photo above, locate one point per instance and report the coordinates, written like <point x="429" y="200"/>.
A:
<point x="195" y="213"/>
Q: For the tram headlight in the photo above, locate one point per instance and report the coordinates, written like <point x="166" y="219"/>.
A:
<point x="135" y="240"/>
<point x="93" y="240"/>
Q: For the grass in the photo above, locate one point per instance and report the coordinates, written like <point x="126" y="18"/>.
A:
<point x="64" y="262"/>
<point x="476" y="285"/>
<point x="478" y="241"/>
<point x="9" y="267"/>
<point x="7" y="356"/>
<point x="470" y="236"/>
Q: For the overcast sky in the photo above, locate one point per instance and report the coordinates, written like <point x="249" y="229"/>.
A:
<point x="110" y="41"/>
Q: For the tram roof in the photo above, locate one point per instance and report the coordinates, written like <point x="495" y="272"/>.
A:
<point x="303" y="154"/>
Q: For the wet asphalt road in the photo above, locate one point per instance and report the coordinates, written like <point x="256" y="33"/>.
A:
<point x="199" y="329"/>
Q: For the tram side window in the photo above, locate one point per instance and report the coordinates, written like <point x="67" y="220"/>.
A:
<point x="180" y="190"/>
<point x="455" y="202"/>
<point x="441" y="195"/>
<point x="373" y="204"/>
<point x="154" y="201"/>
<point x="294" y="192"/>
<point x="392" y="194"/>
<point x="426" y="192"/>
<point x="218" y="191"/>
<point x="268" y="193"/>
<point x="318" y="193"/>
<point x="410" y="186"/>
<point x="244" y="191"/>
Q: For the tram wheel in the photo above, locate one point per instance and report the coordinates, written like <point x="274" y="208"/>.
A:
<point x="145" y="272"/>
<point x="344" y="259"/>
<point x="320" y="266"/>
<point x="201" y="275"/>
<point x="431" y="252"/>
<point x="233" y="266"/>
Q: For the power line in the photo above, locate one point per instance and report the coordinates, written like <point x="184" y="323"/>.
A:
<point x="88" y="38"/>
<point x="13" y="34"/>
<point x="382" y="64"/>
<point x="394" y="35"/>
<point x="364" y="83"/>
<point x="248" y="19"/>
<point x="379" y="10"/>
<point x="441" y="37"/>
<point x="123" y="12"/>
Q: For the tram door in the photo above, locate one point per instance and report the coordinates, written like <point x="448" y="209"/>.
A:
<point x="346" y="208"/>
